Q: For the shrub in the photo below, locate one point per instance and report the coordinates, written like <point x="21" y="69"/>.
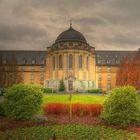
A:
<point x="56" y="108"/>
<point x="61" y="86"/>
<point x="121" y="106"/>
<point x="49" y="90"/>
<point x="77" y="109"/>
<point x="1" y="109"/>
<point x="22" y="101"/>
<point x="95" y="91"/>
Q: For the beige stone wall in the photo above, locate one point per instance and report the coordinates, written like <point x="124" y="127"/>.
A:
<point x="104" y="73"/>
<point x="81" y="76"/>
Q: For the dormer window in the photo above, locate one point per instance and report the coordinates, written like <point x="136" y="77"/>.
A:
<point x="33" y="61"/>
<point x="5" y="61"/>
<point x="24" y="61"/>
<point x="42" y="61"/>
<point x="108" y="61"/>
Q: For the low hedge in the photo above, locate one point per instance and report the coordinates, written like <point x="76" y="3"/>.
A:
<point x="49" y="90"/>
<point x="77" y="109"/>
<point x="98" y="91"/>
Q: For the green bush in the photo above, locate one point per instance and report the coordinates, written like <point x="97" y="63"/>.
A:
<point x="1" y="109"/>
<point x="22" y="101"/>
<point x="49" y="90"/>
<point x="121" y="106"/>
<point x="61" y="86"/>
<point x="95" y="91"/>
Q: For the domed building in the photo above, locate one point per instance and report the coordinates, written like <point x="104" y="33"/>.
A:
<point x="72" y="60"/>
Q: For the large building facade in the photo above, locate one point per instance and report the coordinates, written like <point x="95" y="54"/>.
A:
<point x="71" y="59"/>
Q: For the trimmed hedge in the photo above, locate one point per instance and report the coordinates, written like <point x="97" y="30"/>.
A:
<point x="98" y="91"/>
<point x="49" y="90"/>
<point x="77" y="109"/>
<point x="122" y="106"/>
<point x="22" y="101"/>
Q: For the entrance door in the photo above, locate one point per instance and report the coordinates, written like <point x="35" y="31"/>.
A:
<point x="70" y="85"/>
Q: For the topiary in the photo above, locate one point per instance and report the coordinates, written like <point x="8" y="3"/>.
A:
<point x="121" y="106"/>
<point x="22" y="101"/>
<point x="61" y="86"/>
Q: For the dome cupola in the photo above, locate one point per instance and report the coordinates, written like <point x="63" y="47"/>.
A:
<point x="70" y="35"/>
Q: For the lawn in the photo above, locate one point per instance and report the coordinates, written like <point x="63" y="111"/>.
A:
<point x="76" y="98"/>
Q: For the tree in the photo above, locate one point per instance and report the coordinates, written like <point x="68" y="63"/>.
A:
<point x="9" y="72"/>
<point x="61" y="86"/>
<point x="129" y="72"/>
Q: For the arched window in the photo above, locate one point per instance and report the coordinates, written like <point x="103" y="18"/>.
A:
<point x="70" y="61"/>
<point x="53" y="62"/>
<point x="60" y="62"/>
<point x="80" y="62"/>
<point x="87" y="62"/>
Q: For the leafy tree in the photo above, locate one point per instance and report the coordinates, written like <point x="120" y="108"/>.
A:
<point x="129" y="72"/>
<point x="9" y="72"/>
<point x="61" y="86"/>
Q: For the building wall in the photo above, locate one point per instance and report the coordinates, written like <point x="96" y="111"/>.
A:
<point x="32" y="74"/>
<point x="82" y="78"/>
<point x="105" y="76"/>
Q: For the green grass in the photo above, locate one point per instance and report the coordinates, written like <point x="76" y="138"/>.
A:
<point x="76" y="98"/>
<point x="68" y="132"/>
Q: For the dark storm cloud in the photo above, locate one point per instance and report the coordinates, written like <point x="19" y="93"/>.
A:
<point x="20" y="32"/>
<point x="35" y="24"/>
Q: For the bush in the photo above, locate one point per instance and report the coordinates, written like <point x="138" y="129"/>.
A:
<point x="121" y="106"/>
<point x="22" y="101"/>
<point x="1" y="109"/>
<point x="77" y="109"/>
<point x="61" y="86"/>
<point x="48" y="90"/>
<point x="95" y="91"/>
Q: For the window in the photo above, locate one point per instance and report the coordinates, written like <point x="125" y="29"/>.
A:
<point x="33" y="61"/>
<point x="99" y="69"/>
<point x="108" y="86"/>
<point x="5" y="61"/>
<point x="100" y="85"/>
<point x="99" y="77"/>
<point x="109" y="77"/>
<point x="53" y="62"/>
<point x="41" y="76"/>
<point x="42" y="61"/>
<point x="32" y="76"/>
<point x="117" y="61"/>
<point x="42" y="68"/>
<point x="24" y="61"/>
<point x="22" y="76"/>
<point x="108" y="69"/>
<point x="32" y="68"/>
<point x="70" y="63"/>
<point x="80" y="62"/>
<point x="87" y="62"/>
<point x="60" y="62"/>
<point x="108" y="61"/>
<point x="22" y="68"/>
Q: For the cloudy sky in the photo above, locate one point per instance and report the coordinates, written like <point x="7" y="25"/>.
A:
<point x="35" y="24"/>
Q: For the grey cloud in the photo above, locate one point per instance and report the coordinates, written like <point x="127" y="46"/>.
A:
<point x="35" y="24"/>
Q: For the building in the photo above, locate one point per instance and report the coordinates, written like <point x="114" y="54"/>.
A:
<point x="71" y="59"/>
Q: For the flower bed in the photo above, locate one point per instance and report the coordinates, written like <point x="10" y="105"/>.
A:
<point x="68" y="132"/>
<point x="77" y="109"/>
